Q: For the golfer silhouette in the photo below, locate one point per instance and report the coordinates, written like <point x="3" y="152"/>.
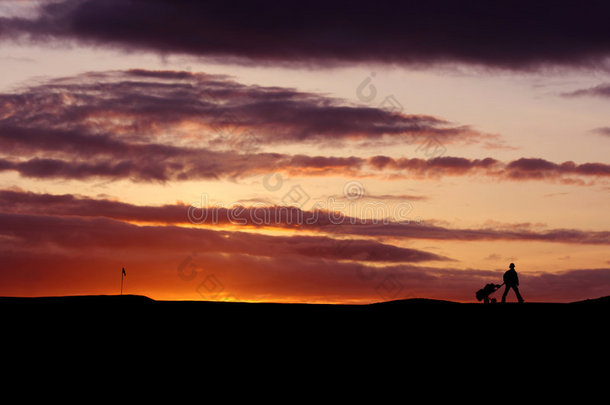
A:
<point x="511" y="280"/>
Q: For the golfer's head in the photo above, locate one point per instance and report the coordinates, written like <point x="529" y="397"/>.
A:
<point x="512" y="265"/>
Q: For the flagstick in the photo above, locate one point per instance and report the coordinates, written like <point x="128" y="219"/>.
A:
<point x="121" y="282"/>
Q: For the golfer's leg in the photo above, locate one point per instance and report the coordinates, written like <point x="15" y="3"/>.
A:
<point x="518" y="295"/>
<point x="505" y="292"/>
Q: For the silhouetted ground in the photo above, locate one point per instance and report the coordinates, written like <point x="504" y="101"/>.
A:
<point x="416" y="334"/>
<point x="414" y="314"/>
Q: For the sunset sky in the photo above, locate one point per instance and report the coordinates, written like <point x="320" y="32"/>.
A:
<point x="336" y="152"/>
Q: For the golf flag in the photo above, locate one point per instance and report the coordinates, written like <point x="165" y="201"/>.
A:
<point x="123" y="275"/>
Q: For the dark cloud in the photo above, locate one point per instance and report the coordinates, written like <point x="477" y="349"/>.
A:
<point x="140" y="105"/>
<point x="102" y="233"/>
<point x="520" y="169"/>
<point x="437" y="165"/>
<point x="604" y="131"/>
<point x="35" y="272"/>
<point x="512" y="34"/>
<point x="165" y="125"/>
<point x="576" y="284"/>
<point x="67" y="247"/>
<point x="195" y="164"/>
<point x="394" y="197"/>
<point x="539" y="168"/>
<point x="602" y="90"/>
<point x="19" y="202"/>
<point x="15" y="201"/>
<point x="207" y="164"/>
<point x="423" y="231"/>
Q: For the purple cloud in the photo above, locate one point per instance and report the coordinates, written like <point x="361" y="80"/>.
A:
<point x="513" y="34"/>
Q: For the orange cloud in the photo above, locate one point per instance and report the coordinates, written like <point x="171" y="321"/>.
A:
<point x="291" y="218"/>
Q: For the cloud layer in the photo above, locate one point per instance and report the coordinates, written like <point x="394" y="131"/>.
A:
<point x="161" y="125"/>
<point x="513" y="34"/>
<point x="171" y="126"/>
<point x="95" y="233"/>
<point x="81" y="256"/>
<point x="260" y="217"/>
<point x="602" y="90"/>
<point x="168" y="125"/>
